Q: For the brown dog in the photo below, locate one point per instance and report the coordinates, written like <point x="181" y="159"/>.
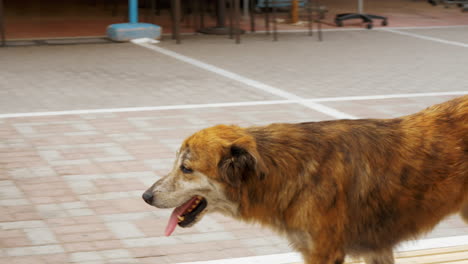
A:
<point x="334" y="188"/>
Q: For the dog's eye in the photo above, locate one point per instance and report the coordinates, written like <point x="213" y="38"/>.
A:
<point x="185" y="169"/>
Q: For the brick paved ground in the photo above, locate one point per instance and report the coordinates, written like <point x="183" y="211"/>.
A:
<point x="70" y="185"/>
<point x="345" y="63"/>
<point x="106" y="76"/>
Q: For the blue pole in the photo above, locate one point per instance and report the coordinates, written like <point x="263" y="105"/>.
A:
<point x="133" y="11"/>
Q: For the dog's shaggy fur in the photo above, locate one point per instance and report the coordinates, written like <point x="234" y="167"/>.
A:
<point x="334" y="188"/>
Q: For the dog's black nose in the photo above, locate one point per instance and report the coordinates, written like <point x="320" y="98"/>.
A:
<point x="148" y="197"/>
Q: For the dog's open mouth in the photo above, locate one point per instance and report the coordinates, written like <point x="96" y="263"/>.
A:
<point x="186" y="214"/>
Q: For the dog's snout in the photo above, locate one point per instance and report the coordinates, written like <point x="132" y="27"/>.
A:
<point x="148" y="197"/>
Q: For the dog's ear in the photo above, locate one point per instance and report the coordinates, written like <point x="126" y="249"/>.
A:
<point x="240" y="162"/>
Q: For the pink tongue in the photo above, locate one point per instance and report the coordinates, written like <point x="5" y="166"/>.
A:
<point x="173" y="220"/>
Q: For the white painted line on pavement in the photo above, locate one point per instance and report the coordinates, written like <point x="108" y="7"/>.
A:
<point x="439" y="40"/>
<point x="142" y="109"/>
<point x="222" y="72"/>
<point x="385" y="96"/>
<point x="286" y="258"/>
<point x="232" y="104"/>
<point x="252" y="83"/>
<point x="289" y="258"/>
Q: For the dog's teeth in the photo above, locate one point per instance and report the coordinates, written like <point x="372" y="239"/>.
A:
<point x="181" y="218"/>
<point x="193" y="206"/>
<point x="197" y="202"/>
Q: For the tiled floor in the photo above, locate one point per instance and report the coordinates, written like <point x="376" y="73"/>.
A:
<point x="70" y="185"/>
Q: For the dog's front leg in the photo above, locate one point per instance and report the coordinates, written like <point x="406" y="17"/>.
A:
<point x="324" y="257"/>
<point x="324" y="247"/>
<point x="324" y="251"/>
<point x="380" y="257"/>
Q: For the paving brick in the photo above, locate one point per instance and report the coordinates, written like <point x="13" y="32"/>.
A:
<point x="8" y="190"/>
<point x="107" y="244"/>
<point x="147" y="242"/>
<point x="41" y="236"/>
<point x="124" y="230"/>
<point x="22" y="224"/>
<point x="82" y="237"/>
<point x="36" y="250"/>
<point x="23" y="260"/>
<point x="115" y="254"/>
<point x="79" y="246"/>
<point x="54" y="258"/>
<point x="80" y="212"/>
<point x="85" y="256"/>
<point x="158" y="259"/>
<point x="14" y="202"/>
<point x="85" y="228"/>
<point x="212" y="236"/>
<point x="127" y="216"/>
<point x="13" y="242"/>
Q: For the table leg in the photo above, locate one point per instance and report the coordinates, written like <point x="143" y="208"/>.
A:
<point x="252" y="15"/>
<point x="246" y="8"/>
<point x="237" y="20"/>
<point x="2" y="24"/>
<point x="310" y="16"/>
<point x="275" y="25"/>
<point x="177" y="20"/>
<point x="267" y="17"/>
<point x="231" y="17"/>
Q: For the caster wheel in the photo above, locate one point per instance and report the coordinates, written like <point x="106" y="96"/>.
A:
<point x="339" y="23"/>
<point x="369" y="26"/>
<point x="384" y="22"/>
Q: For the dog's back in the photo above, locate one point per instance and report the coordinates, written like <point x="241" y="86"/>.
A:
<point x="423" y="177"/>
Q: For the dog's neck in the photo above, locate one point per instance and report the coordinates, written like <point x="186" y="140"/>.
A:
<point x="282" y="148"/>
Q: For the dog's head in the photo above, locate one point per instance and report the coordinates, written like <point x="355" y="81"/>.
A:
<point x="208" y="173"/>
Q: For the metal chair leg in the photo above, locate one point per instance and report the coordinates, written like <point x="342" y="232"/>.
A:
<point x="319" y="29"/>
<point x="152" y="10"/>
<point x="252" y="15"/>
<point x="309" y="16"/>
<point x="195" y="13"/>
<point x="173" y="22"/>
<point x="237" y="20"/>
<point x="2" y="24"/>
<point x="175" y="13"/>
<point x="231" y="17"/>
<point x="177" y="19"/>
<point x="267" y="17"/>
<point x="275" y="22"/>
<point x="202" y="13"/>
